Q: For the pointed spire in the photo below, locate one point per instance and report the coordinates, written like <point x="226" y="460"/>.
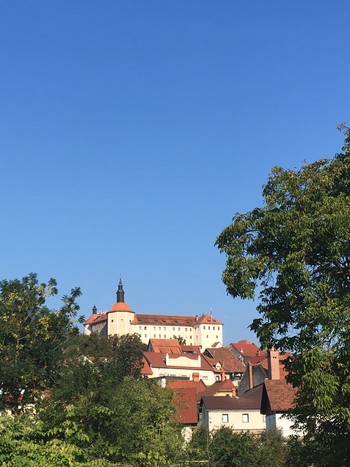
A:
<point x="120" y="292"/>
<point x="94" y="310"/>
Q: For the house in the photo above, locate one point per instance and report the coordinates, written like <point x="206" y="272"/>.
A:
<point x="241" y="414"/>
<point x="261" y="366"/>
<point x="171" y="366"/>
<point x="186" y="409"/>
<point x="278" y="398"/>
<point x="231" y="365"/>
<point x="201" y="330"/>
<point x="244" y="350"/>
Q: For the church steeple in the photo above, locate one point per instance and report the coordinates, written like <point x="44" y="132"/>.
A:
<point x="120" y="292"/>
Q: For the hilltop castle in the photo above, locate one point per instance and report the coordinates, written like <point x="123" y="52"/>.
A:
<point x="203" y="330"/>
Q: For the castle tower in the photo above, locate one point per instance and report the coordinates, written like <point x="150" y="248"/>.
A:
<point x="120" y="315"/>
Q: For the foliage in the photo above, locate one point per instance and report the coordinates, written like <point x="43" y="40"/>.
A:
<point x="32" y="338"/>
<point x="182" y="340"/>
<point x="119" y="354"/>
<point x="19" y="446"/>
<point x="119" y="419"/>
<point x="295" y="250"/>
<point x="225" y="447"/>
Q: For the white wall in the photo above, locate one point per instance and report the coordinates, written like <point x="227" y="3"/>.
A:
<point x="214" y="420"/>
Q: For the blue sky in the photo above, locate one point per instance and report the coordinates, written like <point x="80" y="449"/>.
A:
<point x="132" y="131"/>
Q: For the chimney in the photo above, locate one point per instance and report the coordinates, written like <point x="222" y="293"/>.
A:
<point x="274" y="364"/>
<point x="250" y="375"/>
<point x="234" y="392"/>
<point x="195" y="377"/>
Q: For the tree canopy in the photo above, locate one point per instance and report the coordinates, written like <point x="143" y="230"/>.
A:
<point x="32" y="337"/>
<point x="293" y="253"/>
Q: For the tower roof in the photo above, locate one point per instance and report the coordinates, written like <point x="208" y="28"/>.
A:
<point x="120" y="305"/>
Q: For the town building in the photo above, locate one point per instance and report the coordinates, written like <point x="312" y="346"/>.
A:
<point x="241" y="414"/>
<point x="201" y="330"/>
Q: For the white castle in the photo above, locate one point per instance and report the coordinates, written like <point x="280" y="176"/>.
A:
<point x="203" y="330"/>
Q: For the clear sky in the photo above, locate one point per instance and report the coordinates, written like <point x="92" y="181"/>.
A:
<point x="132" y="131"/>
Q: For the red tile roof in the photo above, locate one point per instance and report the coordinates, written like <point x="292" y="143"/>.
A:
<point x="225" y="386"/>
<point x="199" y="386"/>
<point x="185" y="402"/>
<point x="194" y="349"/>
<point x="227" y="359"/>
<point x="278" y="396"/>
<point x="207" y="319"/>
<point x="120" y="306"/>
<point x="146" y="370"/>
<point x="230" y="403"/>
<point x="164" y="320"/>
<point x="246" y="348"/>
<point x="165" y="345"/>
<point x="96" y="318"/>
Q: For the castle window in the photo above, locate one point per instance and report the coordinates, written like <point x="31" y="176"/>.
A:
<point x="160" y="328"/>
<point x="190" y="337"/>
<point x="145" y="328"/>
<point x="203" y="327"/>
<point x="154" y="335"/>
<point x="208" y="328"/>
<point x="140" y="327"/>
<point x="245" y="417"/>
<point x="186" y="329"/>
<point x="160" y="336"/>
<point x="224" y="418"/>
<point x="145" y="335"/>
<point x="173" y="329"/>
<point x="154" y="328"/>
<point x="164" y="328"/>
<point x="178" y="329"/>
<point x="164" y="336"/>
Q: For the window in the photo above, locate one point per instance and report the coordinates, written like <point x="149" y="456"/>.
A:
<point x="154" y="335"/>
<point x="154" y="328"/>
<point x="173" y="329"/>
<point x="186" y="329"/>
<point x="145" y="328"/>
<point x="146" y="335"/>
<point x="245" y="417"/>
<point x="160" y="328"/>
<point x="208" y="328"/>
<point x="164" y="328"/>
<point x="203" y="327"/>
<point x="178" y="329"/>
<point x="190" y="337"/>
<point x="224" y="418"/>
<point x="164" y="336"/>
<point x="160" y="336"/>
<point x="140" y="327"/>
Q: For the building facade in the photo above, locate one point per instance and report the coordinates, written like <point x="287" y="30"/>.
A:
<point x="203" y="330"/>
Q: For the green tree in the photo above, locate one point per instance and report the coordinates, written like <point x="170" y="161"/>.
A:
<point x="128" y="421"/>
<point x="295" y="250"/>
<point x="32" y="338"/>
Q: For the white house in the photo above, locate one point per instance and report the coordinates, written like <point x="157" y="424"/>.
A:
<point x="241" y="414"/>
